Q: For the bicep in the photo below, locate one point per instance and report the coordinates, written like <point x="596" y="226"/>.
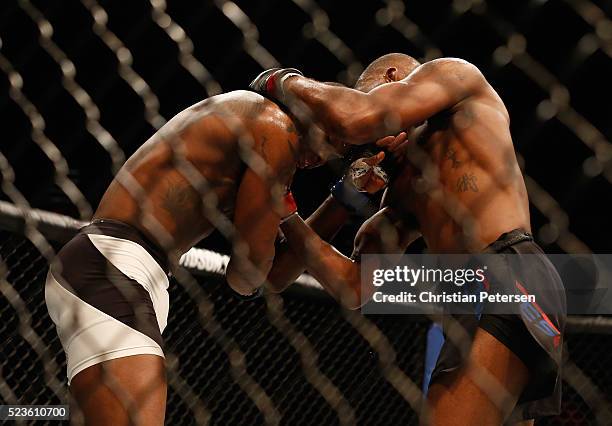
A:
<point x="255" y="221"/>
<point x="434" y="87"/>
<point x="254" y="229"/>
<point x="409" y="103"/>
<point x="256" y="215"/>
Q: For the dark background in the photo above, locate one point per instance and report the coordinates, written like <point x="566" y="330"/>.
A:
<point x="555" y="36"/>
<point x="567" y="52"/>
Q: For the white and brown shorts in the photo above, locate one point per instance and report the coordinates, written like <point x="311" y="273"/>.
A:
<point x="107" y="293"/>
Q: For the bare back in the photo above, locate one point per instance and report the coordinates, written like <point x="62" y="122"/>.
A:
<point x="462" y="182"/>
<point x="175" y="186"/>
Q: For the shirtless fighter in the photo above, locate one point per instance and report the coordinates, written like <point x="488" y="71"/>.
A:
<point x="223" y="163"/>
<point x="461" y="189"/>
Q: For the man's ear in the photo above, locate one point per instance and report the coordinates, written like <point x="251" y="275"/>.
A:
<point x="391" y="75"/>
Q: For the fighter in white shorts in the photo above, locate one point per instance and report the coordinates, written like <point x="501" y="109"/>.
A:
<point x="107" y="289"/>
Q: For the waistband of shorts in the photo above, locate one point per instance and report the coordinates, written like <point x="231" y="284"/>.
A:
<point x="508" y="239"/>
<point x="117" y="229"/>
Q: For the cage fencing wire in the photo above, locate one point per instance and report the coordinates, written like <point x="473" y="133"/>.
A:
<point x="300" y="360"/>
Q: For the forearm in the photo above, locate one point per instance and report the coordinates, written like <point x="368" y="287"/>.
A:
<point x="325" y="222"/>
<point x="338" y="274"/>
<point x="343" y="113"/>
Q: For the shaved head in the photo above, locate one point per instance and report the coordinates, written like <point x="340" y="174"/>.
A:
<point x="387" y="68"/>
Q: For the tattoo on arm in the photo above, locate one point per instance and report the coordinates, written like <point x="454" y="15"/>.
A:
<point x="180" y="200"/>
<point x="291" y="128"/>
<point x="451" y="154"/>
<point x="264" y="154"/>
<point x="294" y="152"/>
<point x="467" y="182"/>
<point x="282" y="168"/>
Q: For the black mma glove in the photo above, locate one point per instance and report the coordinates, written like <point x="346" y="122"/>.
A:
<point x="270" y="82"/>
<point x="355" y="194"/>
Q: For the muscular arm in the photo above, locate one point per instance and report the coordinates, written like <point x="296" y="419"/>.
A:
<point x="351" y="115"/>
<point x="326" y="221"/>
<point x="340" y="275"/>
<point x="257" y="216"/>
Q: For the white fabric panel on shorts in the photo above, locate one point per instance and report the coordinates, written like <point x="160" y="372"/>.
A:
<point x="88" y="335"/>
<point x="136" y="263"/>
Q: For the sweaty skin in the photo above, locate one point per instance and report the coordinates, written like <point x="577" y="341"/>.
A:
<point x="461" y="183"/>
<point x="224" y="164"/>
<point x="204" y="138"/>
<point x="460" y="188"/>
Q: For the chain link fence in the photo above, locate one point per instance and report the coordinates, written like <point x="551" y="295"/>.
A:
<point x="200" y="361"/>
<point x="295" y="359"/>
<point x="203" y="367"/>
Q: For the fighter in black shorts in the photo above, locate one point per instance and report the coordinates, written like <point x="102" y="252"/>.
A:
<point x="461" y="189"/>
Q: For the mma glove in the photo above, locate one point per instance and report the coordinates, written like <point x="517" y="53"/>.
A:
<point x="354" y="190"/>
<point x="270" y="82"/>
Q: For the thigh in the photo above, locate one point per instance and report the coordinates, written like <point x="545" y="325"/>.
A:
<point x="122" y="391"/>
<point x="483" y="391"/>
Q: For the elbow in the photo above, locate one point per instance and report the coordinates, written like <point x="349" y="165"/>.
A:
<point x="352" y="296"/>
<point x="352" y="300"/>
<point x="239" y="283"/>
<point x="353" y="303"/>
<point x="245" y="280"/>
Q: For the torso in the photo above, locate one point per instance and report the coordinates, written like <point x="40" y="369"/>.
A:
<point x="462" y="185"/>
<point x="186" y="176"/>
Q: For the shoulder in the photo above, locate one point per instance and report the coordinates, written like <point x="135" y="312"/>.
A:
<point x="246" y="104"/>
<point x="454" y="71"/>
<point x="256" y="121"/>
<point x="468" y="83"/>
<point x="271" y="132"/>
<point x="449" y="64"/>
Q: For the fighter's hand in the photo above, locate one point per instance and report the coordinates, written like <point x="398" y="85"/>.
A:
<point x="367" y="175"/>
<point x="397" y="145"/>
<point x="270" y="82"/>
